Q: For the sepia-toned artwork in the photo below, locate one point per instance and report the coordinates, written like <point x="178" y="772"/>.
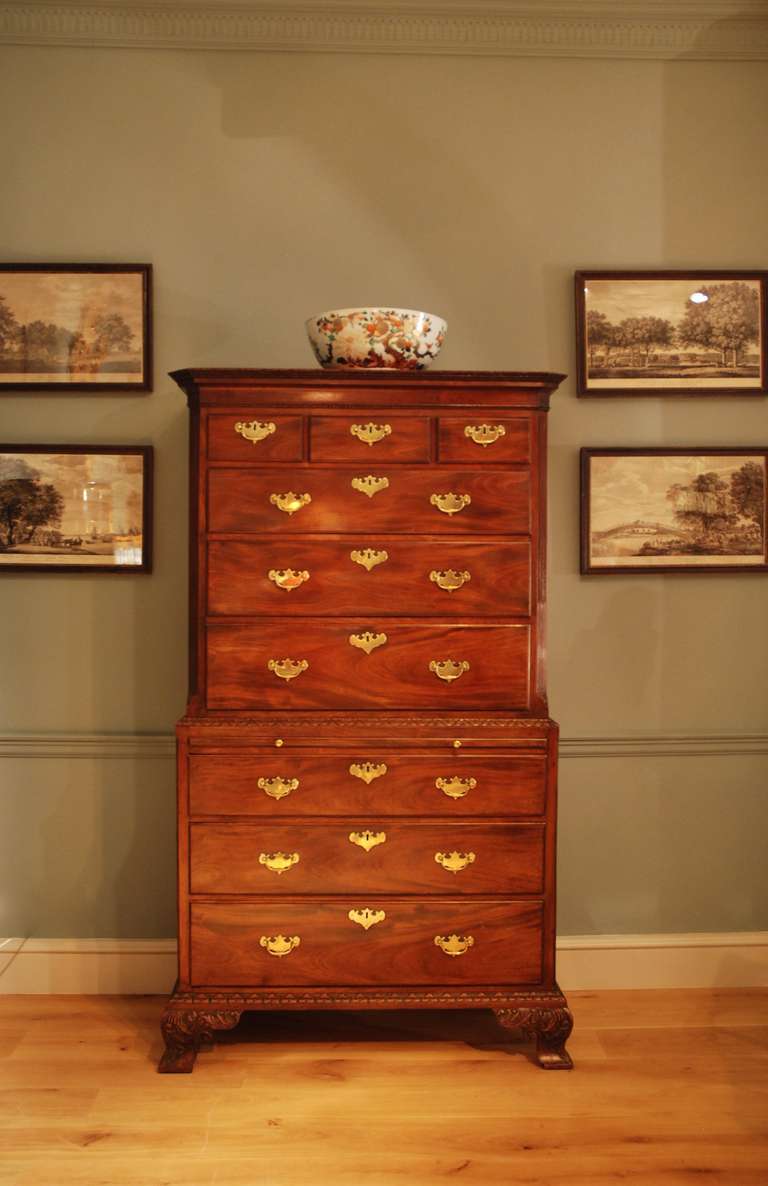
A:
<point x="83" y="326"/>
<point x="65" y="507"/>
<point x="657" y="510"/>
<point x="671" y="333"/>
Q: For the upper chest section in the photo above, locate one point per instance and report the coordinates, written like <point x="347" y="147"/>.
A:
<point x="340" y="418"/>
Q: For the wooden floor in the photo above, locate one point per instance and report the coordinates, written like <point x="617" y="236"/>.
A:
<point x="670" y="1088"/>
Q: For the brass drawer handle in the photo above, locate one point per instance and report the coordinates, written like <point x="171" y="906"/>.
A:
<point x="450" y="579"/>
<point x="455" y="788"/>
<point x="449" y="669"/>
<point x="290" y="502"/>
<point x="450" y="504"/>
<point x="369" y="485"/>
<point x="367" y="840"/>
<point x="278" y="862"/>
<point x="366" y="918"/>
<point x="454" y="862"/>
<point x="279" y="944"/>
<point x="367" y="641"/>
<point x="287" y="668"/>
<point x="369" y="433"/>
<point x="277" y="788"/>
<point x="368" y="558"/>
<point x="367" y="771"/>
<point x="254" y="431"/>
<point x="454" y="944"/>
<point x="485" y="434"/>
<point x="287" y="578"/>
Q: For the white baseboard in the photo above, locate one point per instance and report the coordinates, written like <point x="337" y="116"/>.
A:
<point x="105" y="966"/>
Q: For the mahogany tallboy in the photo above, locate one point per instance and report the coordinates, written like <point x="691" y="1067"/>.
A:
<point x="366" y="768"/>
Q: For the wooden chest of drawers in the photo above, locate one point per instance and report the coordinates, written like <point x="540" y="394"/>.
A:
<point x="367" y="770"/>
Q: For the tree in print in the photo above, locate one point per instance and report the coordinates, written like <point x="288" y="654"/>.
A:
<point x="727" y="321"/>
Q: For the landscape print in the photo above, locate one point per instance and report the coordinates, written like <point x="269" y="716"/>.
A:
<point x="74" y="509"/>
<point x="71" y="327"/>
<point x="685" y="334"/>
<point x="674" y="509"/>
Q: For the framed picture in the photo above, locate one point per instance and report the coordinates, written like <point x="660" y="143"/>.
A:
<point x="681" y="510"/>
<point x="671" y="333"/>
<point x="65" y="508"/>
<point x="65" y="326"/>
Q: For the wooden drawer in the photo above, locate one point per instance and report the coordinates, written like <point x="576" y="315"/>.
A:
<point x="240" y="500"/>
<point x="261" y="442"/>
<point x="369" y="439"/>
<point x="387" y="856"/>
<point x="229" y="943"/>
<point x="338" y="674"/>
<point x="490" y="439"/>
<point x="390" y="575"/>
<point x="385" y="781"/>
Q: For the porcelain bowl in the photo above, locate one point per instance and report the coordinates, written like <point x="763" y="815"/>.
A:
<point x="381" y="338"/>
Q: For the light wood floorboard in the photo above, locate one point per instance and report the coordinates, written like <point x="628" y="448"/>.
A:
<point x="670" y="1089"/>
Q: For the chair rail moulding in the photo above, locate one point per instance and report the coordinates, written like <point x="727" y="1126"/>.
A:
<point x="654" y="29"/>
<point x="162" y="745"/>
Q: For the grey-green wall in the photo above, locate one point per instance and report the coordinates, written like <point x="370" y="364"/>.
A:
<point x="266" y="187"/>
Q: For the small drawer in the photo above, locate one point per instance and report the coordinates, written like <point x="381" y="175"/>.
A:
<point x="369" y="438"/>
<point x="485" y="439"/>
<point x="384" y="575"/>
<point x="241" y="436"/>
<point x="366" y="854"/>
<point x="275" y="785"/>
<point x="315" y="942"/>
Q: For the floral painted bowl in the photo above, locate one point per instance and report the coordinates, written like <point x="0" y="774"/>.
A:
<point x="386" y="339"/>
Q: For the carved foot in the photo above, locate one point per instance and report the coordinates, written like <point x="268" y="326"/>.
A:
<point x="551" y="1028"/>
<point x="184" y="1031"/>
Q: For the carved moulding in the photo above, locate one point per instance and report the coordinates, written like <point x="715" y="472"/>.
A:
<point x="192" y="1016"/>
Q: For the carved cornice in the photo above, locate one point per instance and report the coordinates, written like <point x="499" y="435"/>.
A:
<point x="655" y="29"/>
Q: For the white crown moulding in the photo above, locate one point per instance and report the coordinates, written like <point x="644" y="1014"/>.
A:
<point x="726" y="30"/>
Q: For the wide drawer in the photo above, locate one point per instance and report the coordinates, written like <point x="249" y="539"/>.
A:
<point x="384" y="575"/>
<point x="366" y="855"/>
<point x="240" y="943"/>
<point x="278" y="784"/>
<point x="492" y="439"/>
<point x="369" y="440"/>
<point x="379" y="498"/>
<point x="303" y="663"/>
<point x="241" y="437"/>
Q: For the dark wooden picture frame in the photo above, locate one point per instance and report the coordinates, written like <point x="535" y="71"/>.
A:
<point x="84" y="327"/>
<point x="674" y="510"/>
<point x="66" y="508"/>
<point x="697" y="333"/>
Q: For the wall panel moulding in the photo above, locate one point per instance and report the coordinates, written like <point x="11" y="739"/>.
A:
<point x="656" y="29"/>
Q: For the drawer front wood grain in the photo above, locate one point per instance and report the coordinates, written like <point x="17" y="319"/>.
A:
<point x="369" y="438"/>
<point x="398" y="784"/>
<point x="231" y="437"/>
<point x="371" y="574"/>
<point x="245" y="500"/>
<point x="506" y="947"/>
<point x="478" y="439"/>
<point x="387" y="856"/>
<point x="244" y="661"/>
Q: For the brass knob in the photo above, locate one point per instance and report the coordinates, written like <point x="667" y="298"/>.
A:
<point x="279" y="741"/>
<point x="457" y="744"/>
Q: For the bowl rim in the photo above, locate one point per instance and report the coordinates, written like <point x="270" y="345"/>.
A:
<point x="374" y="308"/>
